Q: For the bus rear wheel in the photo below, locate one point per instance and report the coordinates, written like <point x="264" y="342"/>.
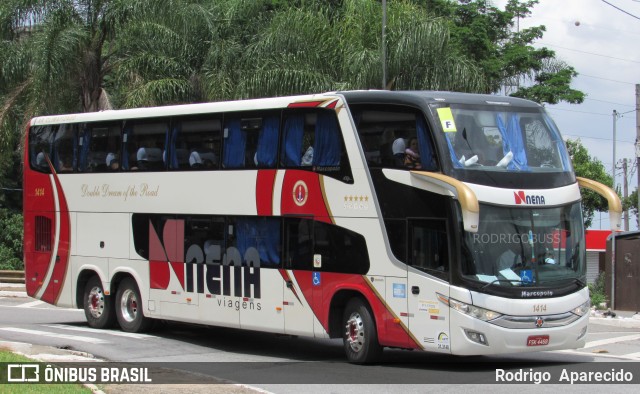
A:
<point x="361" y="338"/>
<point x="98" y="307"/>
<point x="129" y="308"/>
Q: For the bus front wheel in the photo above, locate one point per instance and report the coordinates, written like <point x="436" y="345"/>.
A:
<point x="98" y="307"/>
<point x="129" y="307"/>
<point x="361" y="337"/>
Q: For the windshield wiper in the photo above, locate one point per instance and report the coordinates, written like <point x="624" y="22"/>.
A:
<point x="575" y="280"/>
<point x="503" y="280"/>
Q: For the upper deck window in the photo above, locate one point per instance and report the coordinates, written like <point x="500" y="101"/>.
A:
<point x="395" y="137"/>
<point x="499" y="138"/>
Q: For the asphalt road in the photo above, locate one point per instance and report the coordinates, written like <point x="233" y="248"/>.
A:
<point x="286" y="364"/>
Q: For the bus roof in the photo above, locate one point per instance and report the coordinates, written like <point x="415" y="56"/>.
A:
<point x="420" y="97"/>
<point x="415" y="98"/>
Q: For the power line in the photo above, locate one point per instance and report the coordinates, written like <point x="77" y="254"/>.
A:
<point x="590" y="53"/>
<point x="609" y="102"/>
<point x="606" y="79"/>
<point x="598" y="138"/>
<point x="620" y="9"/>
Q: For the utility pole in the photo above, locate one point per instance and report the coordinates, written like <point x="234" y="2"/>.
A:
<point x="625" y="193"/>
<point x="613" y="166"/>
<point x="638" y="149"/>
<point x="383" y="46"/>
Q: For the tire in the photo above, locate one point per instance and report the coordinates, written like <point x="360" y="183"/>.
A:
<point x="98" y="308"/>
<point x="361" y="337"/>
<point x="129" y="308"/>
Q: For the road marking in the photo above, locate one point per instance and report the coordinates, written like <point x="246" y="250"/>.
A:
<point x="602" y="342"/>
<point x="100" y="332"/>
<point x="30" y="304"/>
<point x="55" y="335"/>
<point x="633" y="355"/>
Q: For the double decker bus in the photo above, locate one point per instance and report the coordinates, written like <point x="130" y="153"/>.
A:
<point x="435" y="221"/>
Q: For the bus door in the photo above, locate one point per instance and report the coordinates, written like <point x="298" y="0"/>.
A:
<point x="428" y="273"/>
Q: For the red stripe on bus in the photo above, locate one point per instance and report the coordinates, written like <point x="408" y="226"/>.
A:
<point x="302" y="195"/>
<point x="265" y="183"/>
<point x="319" y="298"/>
<point x="61" y="260"/>
<point x="306" y="104"/>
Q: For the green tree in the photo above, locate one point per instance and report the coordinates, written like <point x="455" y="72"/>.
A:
<point x="336" y="45"/>
<point x="492" y="38"/>
<point x="631" y="203"/>
<point x="64" y="56"/>
<point x="10" y="240"/>
<point x="588" y="167"/>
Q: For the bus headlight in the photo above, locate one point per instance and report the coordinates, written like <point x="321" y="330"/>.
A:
<point x="582" y="309"/>
<point x="471" y="310"/>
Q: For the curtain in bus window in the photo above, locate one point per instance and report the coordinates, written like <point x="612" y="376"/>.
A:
<point x="454" y="159"/>
<point x="326" y="147"/>
<point x="512" y="138"/>
<point x="268" y="142"/>
<point x="234" y="145"/>
<point x="173" y="162"/>
<point x="127" y="133"/>
<point x="293" y="133"/>
<point x="84" y="149"/>
<point x="263" y="234"/>
<point x="559" y="143"/>
<point x="427" y="158"/>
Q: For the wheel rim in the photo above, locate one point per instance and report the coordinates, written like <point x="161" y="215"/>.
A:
<point x="95" y="300"/>
<point x="129" y="305"/>
<point x="355" y="332"/>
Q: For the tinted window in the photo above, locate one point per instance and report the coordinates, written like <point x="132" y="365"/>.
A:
<point x="312" y="140"/>
<point x="195" y="144"/>
<point x="395" y="137"/>
<point x="144" y="148"/>
<point x="318" y="246"/>
<point x="40" y="141"/>
<point x="99" y="147"/>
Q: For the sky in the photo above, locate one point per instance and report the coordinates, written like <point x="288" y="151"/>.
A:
<point x="602" y="43"/>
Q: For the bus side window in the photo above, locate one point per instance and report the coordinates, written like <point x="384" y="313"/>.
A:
<point x="99" y="147"/>
<point x="195" y="144"/>
<point x="64" y="148"/>
<point x="429" y="250"/>
<point x="258" y="241"/>
<point x="312" y="140"/>
<point x="145" y="145"/>
<point x="234" y="144"/>
<point x="298" y="249"/>
<point x="338" y="249"/>
<point x="40" y="141"/>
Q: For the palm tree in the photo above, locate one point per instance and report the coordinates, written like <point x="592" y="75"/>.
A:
<point x="317" y="47"/>
<point x="63" y="56"/>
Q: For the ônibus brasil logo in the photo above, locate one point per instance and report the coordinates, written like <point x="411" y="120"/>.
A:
<point x="531" y="199"/>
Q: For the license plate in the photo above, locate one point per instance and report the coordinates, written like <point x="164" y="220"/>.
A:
<point x="538" y="340"/>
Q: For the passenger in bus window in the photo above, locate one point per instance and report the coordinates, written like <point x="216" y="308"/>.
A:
<point x="412" y="155"/>
<point x="112" y="161"/>
<point x="398" y="148"/>
<point x="65" y="164"/>
<point x="307" y="158"/>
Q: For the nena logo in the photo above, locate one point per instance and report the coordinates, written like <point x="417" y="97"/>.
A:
<point x="531" y="199"/>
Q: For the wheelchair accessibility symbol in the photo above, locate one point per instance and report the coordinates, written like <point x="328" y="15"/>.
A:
<point x="316" y="279"/>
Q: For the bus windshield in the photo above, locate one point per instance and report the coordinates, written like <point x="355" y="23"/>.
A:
<point x="502" y="138"/>
<point x="526" y="246"/>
